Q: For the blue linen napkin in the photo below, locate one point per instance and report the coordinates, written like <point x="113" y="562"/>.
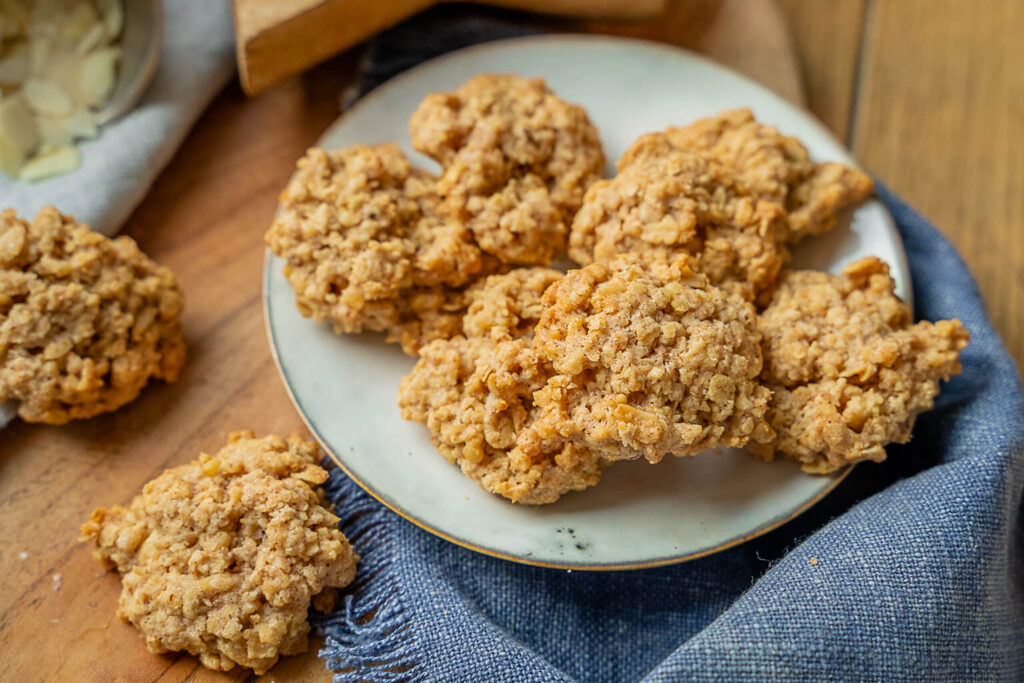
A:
<point x="917" y="571"/>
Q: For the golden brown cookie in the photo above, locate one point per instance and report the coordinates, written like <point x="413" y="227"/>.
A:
<point x="475" y="395"/>
<point x="223" y="556"/>
<point x="516" y="161"/>
<point x="671" y="202"/>
<point x="507" y="306"/>
<point x="649" y="359"/>
<point x="85" y="321"/>
<point x="848" y="371"/>
<point x="426" y="314"/>
<point x="767" y="165"/>
<point x="364" y="246"/>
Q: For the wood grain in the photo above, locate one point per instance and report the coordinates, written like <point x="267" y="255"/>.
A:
<point x="277" y="38"/>
<point x="828" y="35"/>
<point x="940" y="118"/>
<point x="750" y="36"/>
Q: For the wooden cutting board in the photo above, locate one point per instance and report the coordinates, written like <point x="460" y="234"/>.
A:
<point x="205" y="218"/>
<point x="277" y="38"/>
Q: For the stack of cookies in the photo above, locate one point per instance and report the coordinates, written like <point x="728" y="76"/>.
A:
<point x="680" y="332"/>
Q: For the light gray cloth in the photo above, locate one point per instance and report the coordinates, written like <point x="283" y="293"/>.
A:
<point x="119" y="166"/>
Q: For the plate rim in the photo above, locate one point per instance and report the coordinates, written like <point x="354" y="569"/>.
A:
<point x="268" y="273"/>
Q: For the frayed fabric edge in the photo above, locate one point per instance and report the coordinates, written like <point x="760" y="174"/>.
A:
<point x="370" y="636"/>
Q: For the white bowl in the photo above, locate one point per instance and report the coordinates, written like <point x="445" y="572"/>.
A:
<point x="142" y="40"/>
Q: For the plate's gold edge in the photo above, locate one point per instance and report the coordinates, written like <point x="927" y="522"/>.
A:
<point x="619" y="566"/>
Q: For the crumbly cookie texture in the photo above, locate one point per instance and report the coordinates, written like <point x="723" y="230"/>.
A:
<point x="475" y="395"/>
<point x="366" y="249"/>
<point x="848" y="372"/>
<point x="507" y="306"/>
<point x="767" y="165"/>
<point x="85" y="321"/>
<point x="516" y="159"/>
<point x="649" y="359"/>
<point x="671" y="202"/>
<point x="221" y="557"/>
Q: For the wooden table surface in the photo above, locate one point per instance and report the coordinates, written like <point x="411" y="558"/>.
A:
<point x="929" y="94"/>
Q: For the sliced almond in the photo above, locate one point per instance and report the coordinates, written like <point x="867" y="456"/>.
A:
<point x="113" y="17"/>
<point x="18" y="133"/>
<point x="51" y="163"/>
<point x="40" y="49"/>
<point x="11" y="157"/>
<point x="93" y="38"/>
<point x="18" y="123"/>
<point x="53" y="132"/>
<point x="74" y="24"/>
<point x="14" y="65"/>
<point x="97" y="74"/>
<point x="48" y="98"/>
<point x="65" y="130"/>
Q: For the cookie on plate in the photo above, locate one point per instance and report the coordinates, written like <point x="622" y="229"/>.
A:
<point x="767" y="165"/>
<point x="516" y="161"/>
<point x="649" y="359"/>
<point x="673" y="202"/>
<point x="223" y="556"/>
<point x="507" y="306"/>
<point x="365" y="248"/>
<point x="475" y="394"/>
<point x="85" y="321"/>
<point x="848" y="371"/>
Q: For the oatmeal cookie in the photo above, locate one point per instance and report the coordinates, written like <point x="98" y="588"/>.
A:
<point x="674" y="202"/>
<point x="426" y="314"/>
<point x="364" y="245"/>
<point x="848" y="371"/>
<point x="648" y="359"/>
<point x="475" y="395"/>
<point x="516" y="159"/>
<point x="221" y="557"/>
<point x="507" y="306"/>
<point x="767" y="165"/>
<point x="85" y="321"/>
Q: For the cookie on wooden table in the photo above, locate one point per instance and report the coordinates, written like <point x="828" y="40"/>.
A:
<point x="222" y="557"/>
<point x="85" y="321"/>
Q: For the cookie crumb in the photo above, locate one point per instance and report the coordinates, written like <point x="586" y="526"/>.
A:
<point x="813" y="561"/>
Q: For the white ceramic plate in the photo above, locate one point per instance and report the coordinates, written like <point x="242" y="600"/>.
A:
<point x="640" y="515"/>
